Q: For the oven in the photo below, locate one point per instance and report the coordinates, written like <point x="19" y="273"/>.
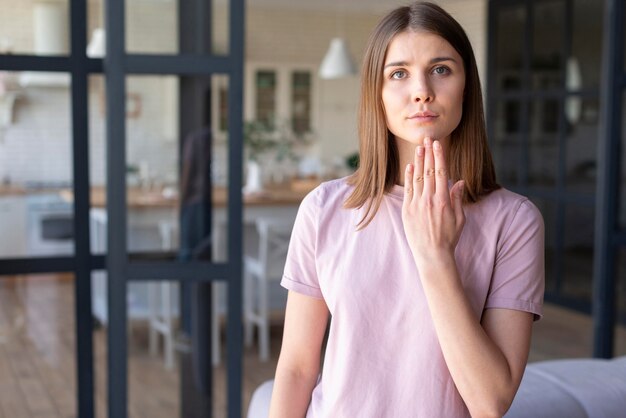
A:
<point x="50" y="225"/>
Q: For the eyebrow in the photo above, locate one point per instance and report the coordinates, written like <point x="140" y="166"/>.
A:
<point x="432" y="61"/>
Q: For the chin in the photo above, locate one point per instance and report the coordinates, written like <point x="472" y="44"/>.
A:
<point x="421" y="134"/>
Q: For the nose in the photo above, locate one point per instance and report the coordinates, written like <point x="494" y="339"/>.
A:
<point x="422" y="90"/>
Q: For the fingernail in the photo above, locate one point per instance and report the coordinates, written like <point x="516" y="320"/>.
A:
<point x="420" y="150"/>
<point x="408" y="167"/>
<point x="426" y="141"/>
<point x="437" y="145"/>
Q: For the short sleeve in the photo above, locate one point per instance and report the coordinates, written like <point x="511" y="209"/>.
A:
<point x="300" y="267"/>
<point x="518" y="279"/>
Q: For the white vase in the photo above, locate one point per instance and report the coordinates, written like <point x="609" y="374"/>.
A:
<point x="254" y="178"/>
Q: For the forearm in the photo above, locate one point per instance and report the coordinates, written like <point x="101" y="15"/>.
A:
<point x="478" y="367"/>
<point x="291" y="394"/>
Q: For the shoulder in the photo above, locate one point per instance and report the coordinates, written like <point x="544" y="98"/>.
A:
<point x="509" y="204"/>
<point x="502" y="210"/>
<point x="511" y="216"/>
<point x="329" y="194"/>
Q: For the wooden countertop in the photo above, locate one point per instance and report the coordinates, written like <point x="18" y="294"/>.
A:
<point x="137" y="198"/>
<point x="12" y="190"/>
<point x="19" y="190"/>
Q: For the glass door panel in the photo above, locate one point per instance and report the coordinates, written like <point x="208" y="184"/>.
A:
<point x="543" y="143"/>
<point x="508" y="140"/>
<point x="36" y="200"/>
<point x="581" y="148"/>
<point x="586" y="49"/>
<point x="547" y="60"/>
<point x="511" y="22"/>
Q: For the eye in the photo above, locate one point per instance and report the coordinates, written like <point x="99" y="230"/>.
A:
<point x="398" y="75"/>
<point x="441" y="70"/>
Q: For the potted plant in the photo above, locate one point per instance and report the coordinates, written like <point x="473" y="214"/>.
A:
<point x="262" y="141"/>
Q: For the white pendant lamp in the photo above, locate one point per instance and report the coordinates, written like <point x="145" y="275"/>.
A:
<point x="338" y="62"/>
<point x="573" y="82"/>
<point x="97" y="45"/>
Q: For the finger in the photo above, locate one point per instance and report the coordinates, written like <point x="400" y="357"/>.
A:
<point x="418" y="172"/>
<point x="408" y="183"/>
<point x="456" y="198"/>
<point x="441" y="171"/>
<point x="429" y="168"/>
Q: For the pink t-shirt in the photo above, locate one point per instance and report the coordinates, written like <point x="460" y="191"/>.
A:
<point x="383" y="358"/>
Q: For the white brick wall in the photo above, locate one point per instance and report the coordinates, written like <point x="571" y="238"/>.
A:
<point x="37" y="147"/>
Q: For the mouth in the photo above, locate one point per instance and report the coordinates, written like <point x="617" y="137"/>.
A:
<point x="426" y="116"/>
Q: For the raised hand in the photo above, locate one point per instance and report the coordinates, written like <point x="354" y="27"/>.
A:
<point x="432" y="215"/>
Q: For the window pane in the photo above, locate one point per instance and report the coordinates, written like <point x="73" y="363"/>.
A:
<point x="221" y="27"/>
<point x="301" y="102"/>
<point x="36" y="201"/>
<point x="547" y="60"/>
<point x="177" y="164"/>
<point x="220" y="86"/>
<point x="34" y="27"/>
<point x="95" y="29"/>
<point x="548" y="211"/>
<point x="587" y="35"/>
<point x="38" y="356"/>
<point x="97" y="165"/>
<point x="507" y="144"/>
<point x="509" y="47"/>
<point x="543" y="142"/>
<point x="154" y="363"/>
<point x="152" y="27"/>
<point x="152" y="161"/>
<point x="582" y="116"/>
<point x="578" y="252"/>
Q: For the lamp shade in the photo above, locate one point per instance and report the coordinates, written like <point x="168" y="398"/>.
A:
<point x="337" y="63"/>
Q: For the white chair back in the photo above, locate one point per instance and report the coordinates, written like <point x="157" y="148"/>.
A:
<point x="274" y="235"/>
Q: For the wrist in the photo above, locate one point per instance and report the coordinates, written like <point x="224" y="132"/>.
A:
<point x="438" y="262"/>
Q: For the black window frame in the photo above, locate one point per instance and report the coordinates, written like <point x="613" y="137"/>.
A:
<point x="116" y="65"/>
<point x="608" y="237"/>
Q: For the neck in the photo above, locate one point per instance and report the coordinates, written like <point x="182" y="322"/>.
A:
<point x="406" y="154"/>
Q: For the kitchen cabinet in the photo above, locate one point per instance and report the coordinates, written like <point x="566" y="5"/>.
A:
<point x="12" y="226"/>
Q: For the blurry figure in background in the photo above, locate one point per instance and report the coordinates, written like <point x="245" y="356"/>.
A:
<point x="195" y="244"/>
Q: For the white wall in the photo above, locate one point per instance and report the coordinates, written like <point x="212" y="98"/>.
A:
<point x="292" y="36"/>
<point x="277" y="35"/>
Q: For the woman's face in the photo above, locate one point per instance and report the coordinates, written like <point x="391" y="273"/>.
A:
<point x="423" y="86"/>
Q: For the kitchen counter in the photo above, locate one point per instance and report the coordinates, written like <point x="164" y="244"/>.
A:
<point x="137" y="198"/>
<point x="19" y="190"/>
<point x="12" y="190"/>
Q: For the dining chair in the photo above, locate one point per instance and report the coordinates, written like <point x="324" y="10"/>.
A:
<point x="260" y="270"/>
<point x="161" y="302"/>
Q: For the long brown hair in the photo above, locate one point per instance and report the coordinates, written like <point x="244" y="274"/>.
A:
<point x="468" y="154"/>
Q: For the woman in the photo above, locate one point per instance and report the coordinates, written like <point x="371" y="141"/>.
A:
<point x="432" y="289"/>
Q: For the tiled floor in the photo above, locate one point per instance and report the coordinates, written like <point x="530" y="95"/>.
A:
<point x="37" y="370"/>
